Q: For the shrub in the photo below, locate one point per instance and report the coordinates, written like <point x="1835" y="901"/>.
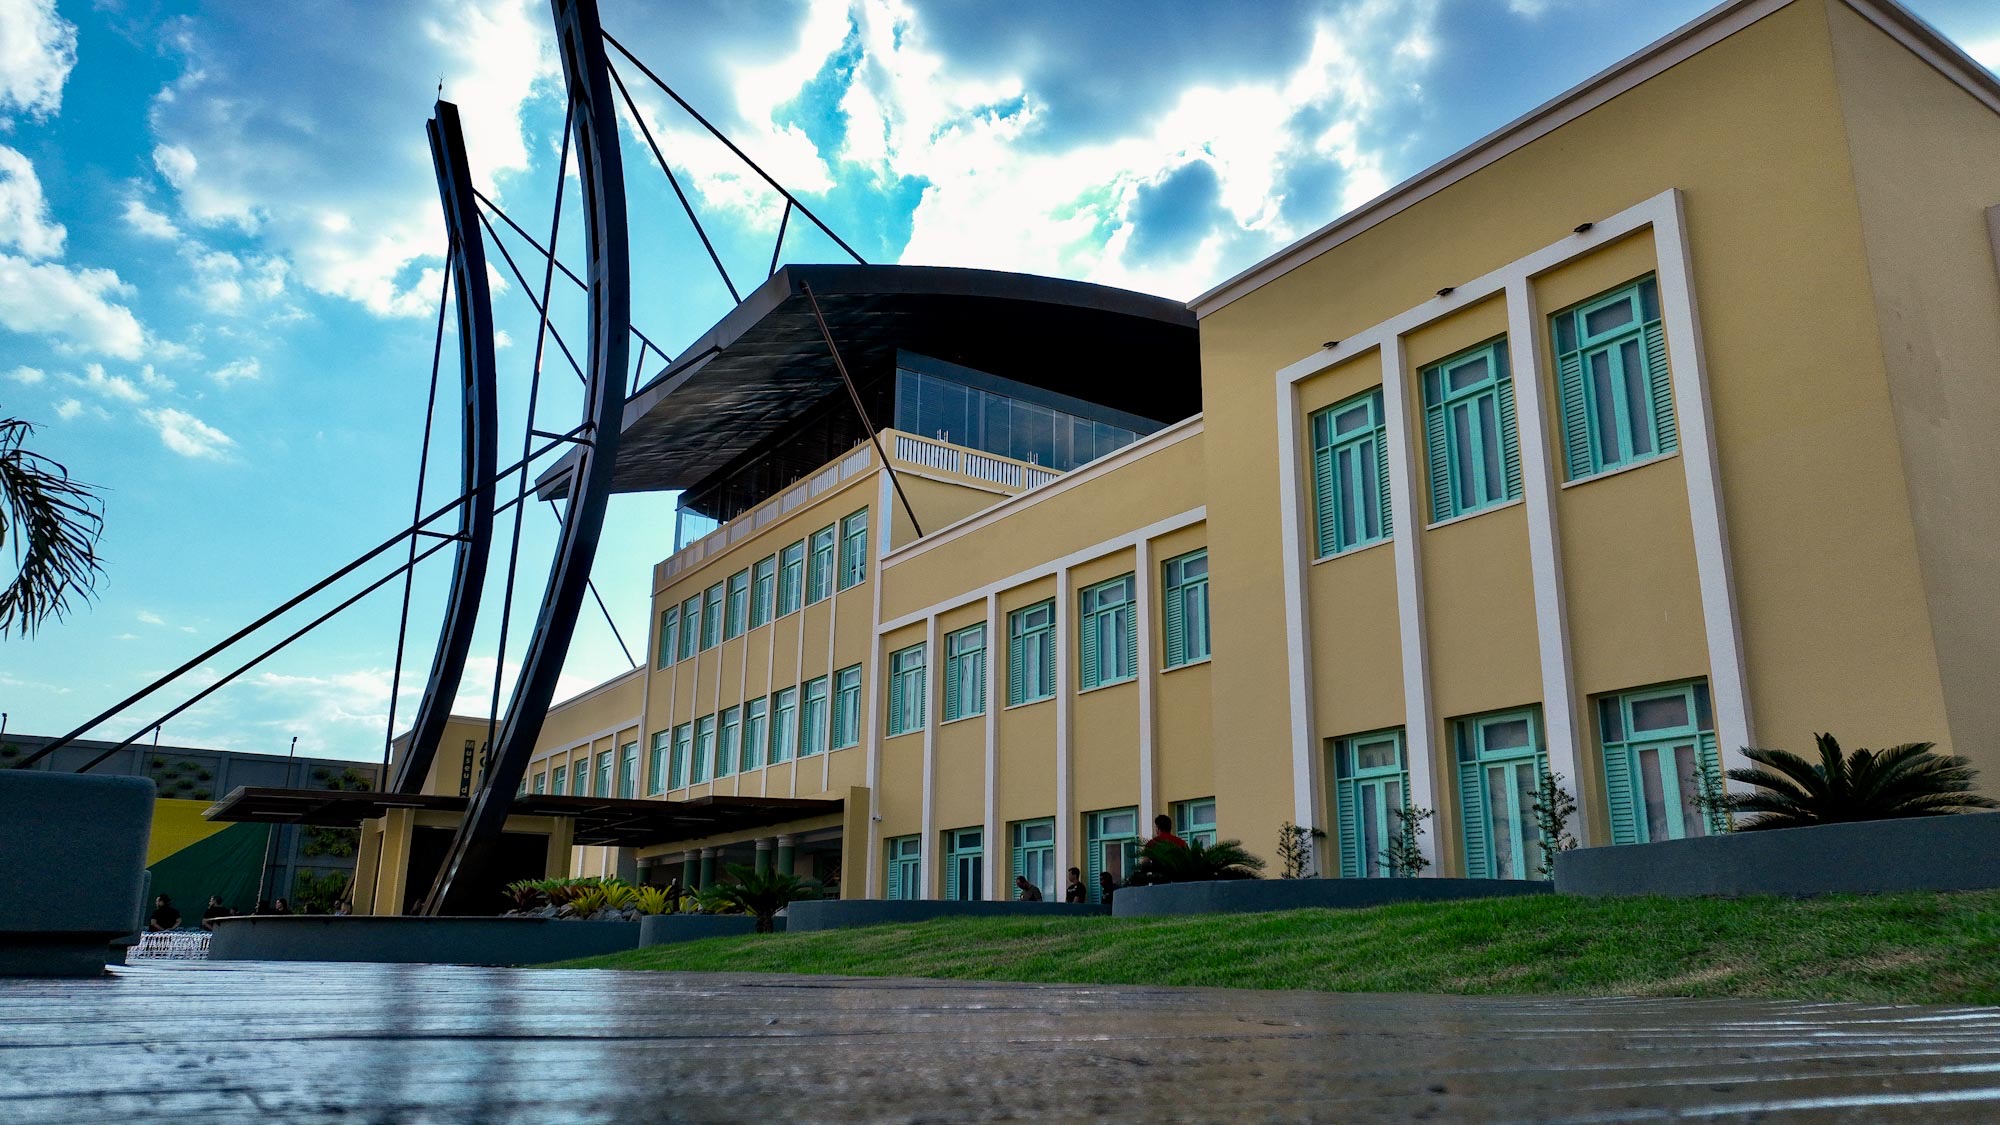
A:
<point x="1405" y="854"/>
<point x="762" y="893"/>
<point x="1163" y="861"/>
<point x="1295" y="852"/>
<point x="1903" y="781"/>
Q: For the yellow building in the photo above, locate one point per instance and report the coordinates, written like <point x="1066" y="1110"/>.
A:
<point x="1655" y="425"/>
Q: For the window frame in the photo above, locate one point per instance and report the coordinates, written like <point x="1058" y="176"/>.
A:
<point x="728" y="740"/>
<point x="1020" y="848"/>
<point x="763" y="590"/>
<point x="1332" y="506"/>
<point x="756" y="734"/>
<point x="961" y="648"/>
<point x="846" y="708"/>
<point x="1025" y="642"/>
<point x="853" y="564"/>
<point x="628" y="770"/>
<point x="820" y="563"/>
<point x="703" y="762"/>
<point x="666" y="651"/>
<point x="965" y="864"/>
<point x="1474" y="760"/>
<point x="1622" y="745"/>
<point x="711" y="617"/>
<point x="1443" y="455"/>
<point x="1184" y="599"/>
<point x="791" y="578"/>
<point x="784" y="741"/>
<point x="1587" y="451"/>
<point x="1188" y="824"/>
<point x="677" y="758"/>
<point x="690" y="628"/>
<point x="815" y="714"/>
<point x="736" y="614"/>
<point x="903" y="873"/>
<point x="656" y="762"/>
<point x="1099" y="618"/>
<point x="558" y="778"/>
<point x="1352" y="785"/>
<point x="906" y="690"/>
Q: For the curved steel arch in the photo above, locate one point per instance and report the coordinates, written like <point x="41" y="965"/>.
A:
<point x="477" y="392"/>
<point x="580" y="39"/>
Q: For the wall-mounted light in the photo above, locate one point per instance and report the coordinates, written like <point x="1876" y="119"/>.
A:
<point x="1581" y="227"/>
<point x="1446" y="291"/>
<point x="1330" y="345"/>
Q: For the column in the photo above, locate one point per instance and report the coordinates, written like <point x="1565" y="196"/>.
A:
<point x="690" y="870"/>
<point x="764" y="847"/>
<point x="787" y="850"/>
<point x="708" y="867"/>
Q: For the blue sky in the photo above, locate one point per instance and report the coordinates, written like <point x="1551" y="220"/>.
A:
<point x="219" y="250"/>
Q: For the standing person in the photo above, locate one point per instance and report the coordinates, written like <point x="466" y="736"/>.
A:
<point x="1163" y="832"/>
<point x="1107" y="885"/>
<point x="164" y="916"/>
<point x="215" y="910"/>
<point x="280" y="906"/>
<point x="1029" y="891"/>
<point x="1074" y="892"/>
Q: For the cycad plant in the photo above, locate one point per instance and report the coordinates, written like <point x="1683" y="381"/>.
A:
<point x="1908" y="780"/>
<point x="1163" y="861"/>
<point x="759" y="893"/>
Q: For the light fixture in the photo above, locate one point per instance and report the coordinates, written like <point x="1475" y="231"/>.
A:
<point x="1330" y="345"/>
<point x="1581" y="227"/>
<point x="1446" y="291"/>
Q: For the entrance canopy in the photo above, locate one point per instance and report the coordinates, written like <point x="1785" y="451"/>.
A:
<point x="600" y="822"/>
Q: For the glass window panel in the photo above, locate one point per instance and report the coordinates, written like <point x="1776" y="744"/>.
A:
<point x="1461" y="461"/>
<point x="1565" y="334"/>
<point x="1508" y="734"/>
<point x="1349" y="421"/>
<point x="1118" y="824"/>
<point x="1530" y="833"/>
<point x="1688" y="772"/>
<point x="1636" y="396"/>
<point x="1610" y="720"/>
<point x="1469" y="374"/>
<point x="1489" y="441"/>
<point x="1082" y="441"/>
<point x="1703" y="718"/>
<point x="1649" y="300"/>
<point x="1597" y="322"/>
<point x="1605" y="405"/>
<point x="1655" y="795"/>
<point x="1377" y="755"/>
<point x="1502" y="822"/>
<point x="1372" y="843"/>
<point x="1040" y="833"/>
<point x="1660" y="713"/>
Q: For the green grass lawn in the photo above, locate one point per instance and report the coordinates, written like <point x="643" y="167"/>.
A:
<point x="1912" y="948"/>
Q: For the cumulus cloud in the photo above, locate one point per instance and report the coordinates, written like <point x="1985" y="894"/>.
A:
<point x="148" y="617"/>
<point x="150" y="223"/>
<point x="27" y="376"/>
<point x="187" y="435"/>
<point x="37" y="52"/>
<point x="116" y="388"/>
<point x="24" y="213"/>
<point x="68" y="409"/>
<point x="341" y="187"/>
<point x="241" y="371"/>
<point x="80" y="306"/>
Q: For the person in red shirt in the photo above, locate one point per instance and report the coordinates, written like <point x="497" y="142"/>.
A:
<point x="1163" y="832"/>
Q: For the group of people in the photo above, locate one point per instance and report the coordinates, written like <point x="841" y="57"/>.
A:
<point x="167" y="916"/>
<point x="1107" y="883"/>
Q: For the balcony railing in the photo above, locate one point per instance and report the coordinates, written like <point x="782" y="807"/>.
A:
<point x="966" y="462"/>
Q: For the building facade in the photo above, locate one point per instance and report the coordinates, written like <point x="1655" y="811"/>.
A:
<point x="1653" y="426"/>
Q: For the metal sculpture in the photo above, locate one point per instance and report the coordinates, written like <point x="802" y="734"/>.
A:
<point x="580" y="41"/>
<point x="481" y="429"/>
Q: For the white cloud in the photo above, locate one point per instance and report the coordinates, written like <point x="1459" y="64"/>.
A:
<point x="27" y="376"/>
<point x="68" y="409"/>
<point x="77" y="304"/>
<point x="176" y="163"/>
<point x="1987" y="51"/>
<point x="116" y="388"/>
<point x="37" y="51"/>
<point x="241" y="371"/>
<point x="24" y="214"/>
<point x="148" y="617"/>
<point x="150" y="223"/>
<point x="126" y="637"/>
<point x="187" y="435"/>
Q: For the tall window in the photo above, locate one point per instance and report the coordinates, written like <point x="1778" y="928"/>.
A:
<point x="729" y="742"/>
<point x="737" y="617"/>
<point x="704" y="747"/>
<point x="677" y="770"/>
<point x="541" y="783"/>
<point x="1474" y="461"/>
<point x="965" y="673"/>
<point x="604" y="766"/>
<point x="690" y="626"/>
<point x="1659" y="750"/>
<point x="1370" y="779"/>
<point x="1035" y="855"/>
<point x="904" y="879"/>
<point x="854" y="549"/>
<point x="754" y="732"/>
<point x="791" y="577"/>
<point x="670" y="635"/>
<point x="557" y="779"/>
<point x="1112" y="844"/>
<point x="579" y="777"/>
<point x="1107" y="634"/>
<point x="1186" y="608"/>
<point x="628" y="770"/>
<point x="763" y="590"/>
<point x="812" y="716"/>
<point x="711" y="617"/>
<point x="819" y="565"/>
<point x="1031" y="654"/>
<point x="1611" y="369"/>
<point x="1500" y="761"/>
<point x="1194" y="821"/>
<point x="656" y="763"/>
<point x="847" y="707"/>
<point x="1351" y="473"/>
<point x="784" y="725"/>
<point x="965" y="864"/>
<point x="906" y="690"/>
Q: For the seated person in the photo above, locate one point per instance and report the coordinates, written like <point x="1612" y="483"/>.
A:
<point x="164" y="916"/>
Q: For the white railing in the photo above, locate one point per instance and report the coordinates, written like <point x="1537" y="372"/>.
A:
<point x="170" y="945"/>
<point x="770" y="511"/>
<point x="966" y="462"/>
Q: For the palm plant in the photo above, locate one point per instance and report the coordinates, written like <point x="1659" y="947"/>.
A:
<point x="1908" y="780"/>
<point x="760" y="893"/>
<point x="1163" y="861"/>
<point x="54" y="522"/>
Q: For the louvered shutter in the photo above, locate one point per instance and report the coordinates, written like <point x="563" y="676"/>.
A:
<point x="978" y="666"/>
<point x="1660" y="385"/>
<point x="1442" y="507"/>
<point x="894" y="889"/>
<point x="1575" y="416"/>
<point x="1350" y="830"/>
<point x="1175" y="618"/>
<point x="1510" y="443"/>
<point x="1017" y="687"/>
<point x="895" y="699"/>
<point x="952" y="666"/>
<point x="1087" y="662"/>
<point x="1618" y="793"/>
<point x="1323" y="499"/>
<point x="951" y="873"/>
<point x="1131" y="667"/>
<point x="1388" y="525"/>
<point x="1473" y="822"/>
<point x="1093" y="866"/>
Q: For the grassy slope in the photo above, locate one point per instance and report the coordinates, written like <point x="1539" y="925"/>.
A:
<point x="1919" y="948"/>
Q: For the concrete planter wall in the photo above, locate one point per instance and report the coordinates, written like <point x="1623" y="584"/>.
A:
<point x="666" y="929"/>
<point x="450" y="941"/>
<point x="72" y="869"/>
<point x="839" y="914"/>
<point x="1248" y="896"/>
<point x="1936" y="853"/>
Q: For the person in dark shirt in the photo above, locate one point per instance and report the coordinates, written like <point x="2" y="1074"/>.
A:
<point x="1107" y="885"/>
<point x="215" y="910"/>
<point x="164" y="916"/>
<point x="280" y="906"/>
<point x="1029" y="891"/>
<point x="1074" y="892"/>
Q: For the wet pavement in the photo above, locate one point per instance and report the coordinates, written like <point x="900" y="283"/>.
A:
<point x="296" y="1041"/>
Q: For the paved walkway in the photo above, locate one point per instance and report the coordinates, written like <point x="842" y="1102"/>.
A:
<point x="247" y="1041"/>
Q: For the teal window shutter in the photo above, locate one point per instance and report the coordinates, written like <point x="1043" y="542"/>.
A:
<point x="1618" y="795"/>
<point x="1350" y="830"/>
<point x="1323" y="500"/>
<point x="1576" y="416"/>
<point x="1351" y="473"/>
<point x="895" y="703"/>
<point x="1017" y="685"/>
<point x="1657" y="750"/>
<point x="1439" y="457"/>
<point x="1473" y="822"/>
<point x="1382" y="516"/>
<point x="1616" y="390"/>
<point x="1129" y="667"/>
<point x="1088" y="672"/>
<point x="952" y="702"/>
<point x="1660" y="385"/>
<point x="1173" y="617"/>
<point x="951" y="876"/>
<point x="1510" y="442"/>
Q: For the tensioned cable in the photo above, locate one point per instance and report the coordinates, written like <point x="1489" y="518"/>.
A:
<point x="718" y="135"/>
<point x="489" y="205"/>
<point x="778" y="247"/>
<point x="854" y="393"/>
<point x="528" y="431"/>
<point x="541" y="310"/>
<point x="646" y="130"/>
<point x="601" y="607"/>
<point x="417" y="506"/>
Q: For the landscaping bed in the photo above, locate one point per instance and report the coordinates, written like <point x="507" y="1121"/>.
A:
<point x="1912" y="948"/>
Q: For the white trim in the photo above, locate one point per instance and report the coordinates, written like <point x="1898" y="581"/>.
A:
<point x="1624" y="467"/>
<point x="871" y="687"/>
<point x="1298" y="653"/>
<point x="1065" y="797"/>
<point x="1419" y="719"/>
<point x="907" y="470"/>
<point x="1531" y="420"/>
<point x="1729" y="682"/>
<point x="1355" y="550"/>
<point x="1110" y="462"/>
<point x="996" y="872"/>
<point x="1056" y="566"/>
<point x="1477" y="512"/>
<point x="1143" y="664"/>
<point x="927" y="866"/>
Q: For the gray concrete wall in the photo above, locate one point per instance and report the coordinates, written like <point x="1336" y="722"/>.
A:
<point x="666" y="929"/>
<point x="1240" y="896"/>
<point x="836" y="914"/>
<point x="72" y="869"/>
<point x="1936" y="853"/>
<point x="409" y="940"/>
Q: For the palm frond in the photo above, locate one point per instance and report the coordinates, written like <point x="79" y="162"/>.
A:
<point x="54" y="522"/>
<point x="1911" y="779"/>
<point x="1165" y="862"/>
